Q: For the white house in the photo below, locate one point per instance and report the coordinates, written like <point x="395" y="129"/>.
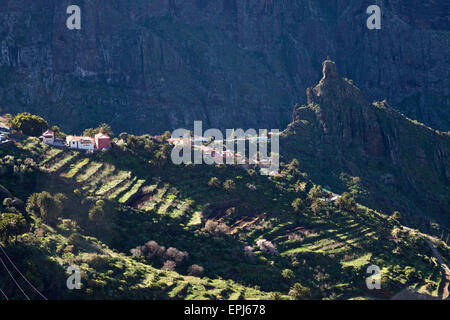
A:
<point x="80" y="143"/>
<point x="48" y="137"/>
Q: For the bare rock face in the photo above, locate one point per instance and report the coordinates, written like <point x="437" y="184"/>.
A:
<point x="151" y="65"/>
<point x="395" y="158"/>
<point x="329" y="70"/>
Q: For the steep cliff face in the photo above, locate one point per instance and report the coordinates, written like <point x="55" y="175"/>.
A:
<point x="151" y="65"/>
<point x="388" y="160"/>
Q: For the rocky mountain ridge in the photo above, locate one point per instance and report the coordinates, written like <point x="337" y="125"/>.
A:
<point x="391" y="162"/>
<point x="149" y="66"/>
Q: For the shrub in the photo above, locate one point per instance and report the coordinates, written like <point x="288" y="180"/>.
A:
<point x="46" y="206"/>
<point x="294" y="165"/>
<point x="298" y="205"/>
<point x="346" y="202"/>
<point x="316" y="206"/>
<point x="287" y="274"/>
<point x="195" y="270"/>
<point x="316" y="192"/>
<point x="300" y="186"/>
<point x="275" y="296"/>
<point x="214" y="182"/>
<point x="169" y="265"/>
<point x="215" y="228"/>
<point x="229" y="185"/>
<point x="96" y="214"/>
<point x="396" y="215"/>
<point x="299" y="292"/>
<point x="75" y="239"/>
<point x="267" y="247"/>
<point x="151" y="250"/>
<point x="11" y="225"/>
<point x="97" y="261"/>
<point x="176" y="255"/>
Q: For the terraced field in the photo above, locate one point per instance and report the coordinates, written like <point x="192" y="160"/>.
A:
<point x="104" y="180"/>
<point x="170" y="204"/>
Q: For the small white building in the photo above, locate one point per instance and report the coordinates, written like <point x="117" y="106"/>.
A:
<point x="80" y="143"/>
<point x="48" y="137"/>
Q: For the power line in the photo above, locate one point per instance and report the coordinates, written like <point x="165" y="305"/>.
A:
<point x="4" y="294"/>
<point x="22" y="274"/>
<point x="4" y="265"/>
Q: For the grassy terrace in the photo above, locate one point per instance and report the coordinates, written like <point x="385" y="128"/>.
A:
<point x="74" y="169"/>
<point x="62" y="163"/>
<point x="121" y="189"/>
<point x="134" y="189"/>
<point x="95" y="181"/>
<point x="113" y="183"/>
<point x="49" y="155"/>
<point x="89" y="171"/>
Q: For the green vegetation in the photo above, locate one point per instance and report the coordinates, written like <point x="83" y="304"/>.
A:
<point x="30" y="125"/>
<point x="143" y="229"/>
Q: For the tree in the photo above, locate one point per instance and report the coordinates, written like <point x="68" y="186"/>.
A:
<point x="105" y="129"/>
<point x="300" y="186"/>
<point x="229" y="185"/>
<point x="11" y="225"/>
<point x="299" y="292"/>
<point x="176" y="255"/>
<point x="298" y="205"/>
<point x="166" y="136"/>
<point x="287" y="274"/>
<point x="29" y="124"/>
<point x="96" y="213"/>
<point x="316" y="192"/>
<point x="396" y="215"/>
<point x="46" y="206"/>
<point x="316" y="206"/>
<point x="195" y="270"/>
<point x="160" y="159"/>
<point x="346" y="202"/>
<point x="58" y="132"/>
<point x="294" y="165"/>
<point x="89" y="132"/>
<point x="169" y="265"/>
<point x="214" y="182"/>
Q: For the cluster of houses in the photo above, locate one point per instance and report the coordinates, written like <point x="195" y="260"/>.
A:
<point x="215" y="152"/>
<point x="99" y="142"/>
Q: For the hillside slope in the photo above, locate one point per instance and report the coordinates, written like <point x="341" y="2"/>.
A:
<point x="255" y="239"/>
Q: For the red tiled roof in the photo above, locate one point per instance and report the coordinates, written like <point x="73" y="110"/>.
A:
<point x="48" y="132"/>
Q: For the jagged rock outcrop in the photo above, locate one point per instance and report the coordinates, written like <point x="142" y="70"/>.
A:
<point x="150" y="65"/>
<point x="400" y="163"/>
